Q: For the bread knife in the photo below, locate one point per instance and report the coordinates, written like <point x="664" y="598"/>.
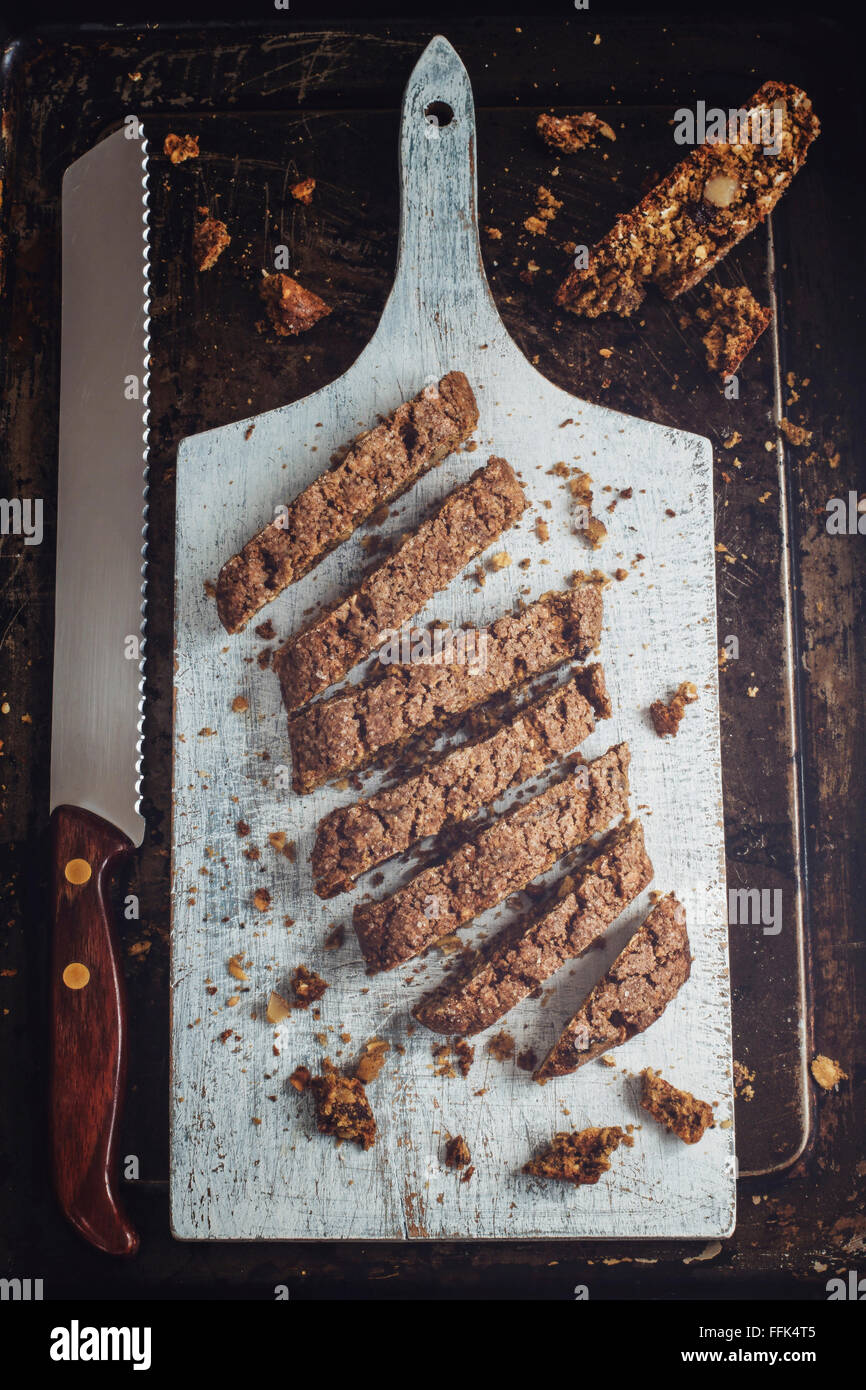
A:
<point x="98" y="663"/>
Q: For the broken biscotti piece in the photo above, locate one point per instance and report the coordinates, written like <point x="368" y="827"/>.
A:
<point x="209" y="239"/>
<point x="359" y="726"/>
<point x="502" y="859"/>
<point x="636" y="990"/>
<point x="379" y="466"/>
<point x="678" y="1111"/>
<point x="667" y="718"/>
<point x="568" y="134"/>
<point x="468" y="521"/>
<point x="342" y="1107"/>
<point x="693" y="218"/>
<point x="578" y="1156"/>
<point x="290" y="308"/>
<point x="179" y="148"/>
<point x="736" y="321"/>
<point x="351" y="840"/>
<point x="522" y="957"/>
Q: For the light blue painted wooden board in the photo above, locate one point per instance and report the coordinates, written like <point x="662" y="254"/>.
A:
<point x="279" y="1179"/>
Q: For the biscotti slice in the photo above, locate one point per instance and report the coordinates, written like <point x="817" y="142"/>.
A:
<point x="683" y="1114"/>
<point x="426" y="561"/>
<point x="361" y="725"/>
<point x="736" y="321"/>
<point x="523" y="956"/>
<point x="636" y="990"/>
<point x="379" y="466"/>
<point x="351" y="840"/>
<point x="689" y="221"/>
<point x="502" y="859"/>
<point x="580" y="1157"/>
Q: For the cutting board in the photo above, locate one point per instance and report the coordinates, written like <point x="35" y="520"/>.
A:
<point x="247" y="1161"/>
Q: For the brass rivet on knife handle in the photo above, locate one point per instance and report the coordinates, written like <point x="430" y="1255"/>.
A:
<point x="77" y="871"/>
<point x="76" y="975"/>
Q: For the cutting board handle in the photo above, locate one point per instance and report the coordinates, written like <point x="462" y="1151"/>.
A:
<point x="88" y="1072"/>
<point x="440" y="273"/>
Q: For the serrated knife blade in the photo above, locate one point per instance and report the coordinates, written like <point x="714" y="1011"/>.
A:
<point x="98" y="659"/>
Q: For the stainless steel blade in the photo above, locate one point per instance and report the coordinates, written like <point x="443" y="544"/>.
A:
<point x="102" y="487"/>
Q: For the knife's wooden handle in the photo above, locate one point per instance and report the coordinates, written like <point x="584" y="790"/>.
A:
<point x="88" y="1029"/>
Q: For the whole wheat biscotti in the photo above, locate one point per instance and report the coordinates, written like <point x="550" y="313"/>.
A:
<point x="502" y="859"/>
<point x="360" y="725"/>
<point x="705" y="206"/>
<point x="379" y="466"/>
<point x="636" y="990"/>
<point x="351" y="840"/>
<point x="522" y="957"/>
<point x="470" y="519"/>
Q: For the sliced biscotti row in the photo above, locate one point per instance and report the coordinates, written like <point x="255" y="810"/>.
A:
<point x="522" y="957"/>
<point x="361" y="725"/>
<point x="469" y="520"/>
<point x="636" y="990"/>
<point x="502" y="859"/>
<point x="380" y="465"/>
<point x="351" y="840"/>
<point x="708" y="203"/>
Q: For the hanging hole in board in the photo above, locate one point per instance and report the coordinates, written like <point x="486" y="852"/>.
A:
<point x="437" y="115"/>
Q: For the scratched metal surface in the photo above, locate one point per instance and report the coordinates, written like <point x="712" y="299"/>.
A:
<point x="247" y="1161"/>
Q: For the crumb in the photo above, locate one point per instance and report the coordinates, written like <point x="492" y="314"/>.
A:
<point x="303" y="192"/>
<point x="795" y="434"/>
<point x="501" y="1047"/>
<point x="291" y="308"/>
<point x="236" y="969"/>
<point x="180" y="147"/>
<point x="827" y="1073"/>
<point x="241" y="828"/>
<point x="240" y="704"/>
<point x="209" y="239"/>
<point x="620" y="574"/>
<point x="342" y="1108"/>
<point x="372" y="1060"/>
<point x="465" y="1055"/>
<point x="579" y="1157"/>
<point x="494" y="233"/>
<point x="667" y="718"/>
<point x="277" y="840"/>
<point x="307" y="986"/>
<point x="261" y="897"/>
<point x="527" y="1059"/>
<point x="266" y="631"/>
<point x="568" y="134"/>
<point x="500" y="561"/>
<point x="542" y="531"/>
<point x="743" y="1079"/>
<point x="457" y="1153"/>
<point x="680" y="1112"/>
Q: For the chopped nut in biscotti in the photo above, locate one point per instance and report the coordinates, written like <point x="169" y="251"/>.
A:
<point x="372" y="1060"/>
<point x="568" y="134"/>
<point x="342" y="1107"/>
<point x="236" y="968"/>
<point x="209" y="239"/>
<point x="680" y="1112"/>
<point x="307" y="986"/>
<point x="578" y="1156"/>
<point x="180" y="147"/>
<point x="291" y="308"/>
<point x="303" y="192"/>
<point x="667" y="718"/>
<point x="279" y="1008"/>
<point x="457" y="1153"/>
